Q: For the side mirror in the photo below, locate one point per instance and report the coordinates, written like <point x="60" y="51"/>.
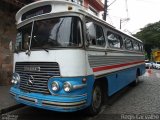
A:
<point x="87" y="43"/>
<point x="88" y="40"/>
<point x="11" y="46"/>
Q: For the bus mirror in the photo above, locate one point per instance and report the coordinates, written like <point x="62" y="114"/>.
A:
<point x="11" y="46"/>
<point x="88" y="40"/>
<point x="87" y="43"/>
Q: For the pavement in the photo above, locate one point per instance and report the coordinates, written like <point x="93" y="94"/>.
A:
<point x="7" y="103"/>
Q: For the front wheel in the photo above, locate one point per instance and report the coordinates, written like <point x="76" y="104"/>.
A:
<point x="96" y="104"/>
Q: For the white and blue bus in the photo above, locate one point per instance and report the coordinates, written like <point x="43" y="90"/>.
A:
<point x="66" y="59"/>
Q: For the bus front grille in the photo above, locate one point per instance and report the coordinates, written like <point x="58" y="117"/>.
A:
<point x="35" y="75"/>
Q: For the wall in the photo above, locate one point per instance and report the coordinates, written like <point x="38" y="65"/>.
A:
<point x="7" y="33"/>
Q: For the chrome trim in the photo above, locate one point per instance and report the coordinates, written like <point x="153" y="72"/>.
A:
<point x="71" y="86"/>
<point x="57" y="86"/>
<point x="64" y="105"/>
<point x="70" y="96"/>
<point x="79" y="86"/>
<point x="28" y="99"/>
<point x="13" y="94"/>
<point x="36" y="81"/>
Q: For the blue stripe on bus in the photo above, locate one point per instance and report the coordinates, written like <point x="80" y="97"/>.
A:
<point x="57" y="98"/>
<point x="120" y="79"/>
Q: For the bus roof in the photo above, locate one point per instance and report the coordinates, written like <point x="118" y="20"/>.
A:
<point x="58" y="6"/>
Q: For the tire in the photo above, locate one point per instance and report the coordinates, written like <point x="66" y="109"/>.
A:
<point x="97" y="100"/>
<point x="136" y="81"/>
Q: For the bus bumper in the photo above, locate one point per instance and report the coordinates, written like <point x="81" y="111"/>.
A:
<point x="50" y="102"/>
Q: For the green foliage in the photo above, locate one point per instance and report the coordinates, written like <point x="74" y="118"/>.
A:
<point x="150" y="35"/>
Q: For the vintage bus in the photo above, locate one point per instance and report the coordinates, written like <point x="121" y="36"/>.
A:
<point x="66" y="59"/>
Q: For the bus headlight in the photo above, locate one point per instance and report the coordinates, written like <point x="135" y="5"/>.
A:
<point x="67" y="86"/>
<point x="55" y="86"/>
<point x="15" y="78"/>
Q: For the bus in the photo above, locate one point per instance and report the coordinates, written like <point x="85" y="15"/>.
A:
<point x="66" y="59"/>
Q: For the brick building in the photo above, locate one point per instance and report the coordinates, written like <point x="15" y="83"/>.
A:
<point x="94" y="6"/>
<point x="8" y="8"/>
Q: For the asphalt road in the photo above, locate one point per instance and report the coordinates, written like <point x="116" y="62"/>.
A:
<point x="131" y="103"/>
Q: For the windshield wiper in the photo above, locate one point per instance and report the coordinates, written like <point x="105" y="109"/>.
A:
<point x="38" y="44"/>
<point x="45" y="49"/>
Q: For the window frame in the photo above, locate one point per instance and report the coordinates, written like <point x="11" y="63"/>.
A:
<point x="125" y="39"/>
<point x="135" y="42"/>
<point x="52" y="48"/>
<point x="95" y="23"/>
<point x="117" y="35"/>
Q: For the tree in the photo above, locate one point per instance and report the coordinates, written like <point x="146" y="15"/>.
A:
<point x="150" y="35"/>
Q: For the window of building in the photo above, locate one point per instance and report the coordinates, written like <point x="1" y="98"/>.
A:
<point x="114" y="40"/>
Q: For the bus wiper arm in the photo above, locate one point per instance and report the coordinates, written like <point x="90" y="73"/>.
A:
<point x="45" y="49"/>
<point x="38" y="43"/>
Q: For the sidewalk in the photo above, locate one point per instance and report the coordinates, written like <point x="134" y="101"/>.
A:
<point x="7" y="103"/>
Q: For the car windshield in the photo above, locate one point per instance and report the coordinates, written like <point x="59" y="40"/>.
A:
<point x="51" y="33"/>
<point x="158" y="62"/>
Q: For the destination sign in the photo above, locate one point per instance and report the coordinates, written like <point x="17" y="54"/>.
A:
<point x="37" y="11"/>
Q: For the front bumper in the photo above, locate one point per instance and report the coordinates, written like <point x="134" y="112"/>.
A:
<point x="50" y="102"/>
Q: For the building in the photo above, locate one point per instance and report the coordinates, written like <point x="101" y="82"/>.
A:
<point x="8" y="9"/>
<point x="94" y="6"/>
<point x="156" y="55"/>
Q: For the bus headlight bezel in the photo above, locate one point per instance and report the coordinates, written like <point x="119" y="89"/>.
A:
<point x="55" y="86"/>
<point x="15" y="78"/>
<point x="67" y="86"/>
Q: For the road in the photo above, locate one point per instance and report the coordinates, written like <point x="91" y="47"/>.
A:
<point x="140" y="102"/>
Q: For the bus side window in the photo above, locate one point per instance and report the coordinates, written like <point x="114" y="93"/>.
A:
<point x="91" y="33"/>
<point x="128" y="44"/>
<point x="95" y="34"/>
<point x="114" y="40"/>
<point x="141" y="47"/>
<point x="136" y="46"/>
<point x="100" y="40"/>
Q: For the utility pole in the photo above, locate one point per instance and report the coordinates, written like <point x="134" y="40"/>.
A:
<point x="105" y="10"/>
<point x="123" y="20"/>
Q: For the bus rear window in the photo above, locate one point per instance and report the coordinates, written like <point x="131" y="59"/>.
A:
<point x="37" y="11"/>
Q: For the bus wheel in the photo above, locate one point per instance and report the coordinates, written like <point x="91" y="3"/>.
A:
<point x="97" y="97"/>
<point x="136" y="81"/>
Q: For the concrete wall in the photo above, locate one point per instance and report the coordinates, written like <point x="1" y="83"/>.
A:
<point x="7" y="33"/>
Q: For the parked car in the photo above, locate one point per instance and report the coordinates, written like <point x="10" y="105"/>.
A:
<point x="153" y="64"/>
<point x="148" y="64"/>
<point x="157" y="65"/>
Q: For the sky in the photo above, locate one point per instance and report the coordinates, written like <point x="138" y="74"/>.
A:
<point x="140" y="13"/>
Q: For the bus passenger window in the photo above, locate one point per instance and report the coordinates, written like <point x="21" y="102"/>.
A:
<point x="95" y="33"/>
<point x="141" y="47"/>
<point x="91" y="33"/>
<point x="114" y="40"/>
<point x="99" y="36"/>
<point x="128" y="44"/>
<point x="135" y="46"/>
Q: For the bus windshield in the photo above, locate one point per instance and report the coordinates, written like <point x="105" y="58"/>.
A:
<point x="50" y="33"/>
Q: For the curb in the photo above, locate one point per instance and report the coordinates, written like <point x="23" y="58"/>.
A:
<point x="11" y="108"/>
